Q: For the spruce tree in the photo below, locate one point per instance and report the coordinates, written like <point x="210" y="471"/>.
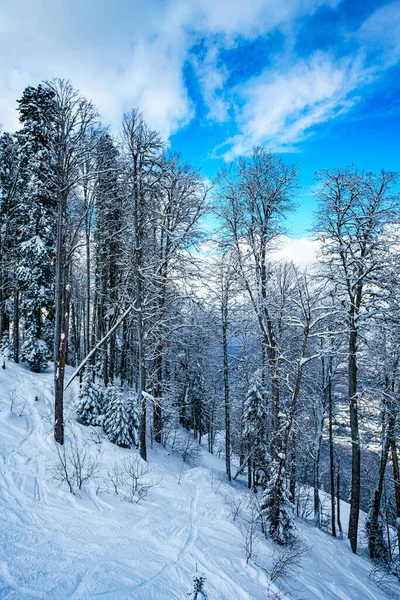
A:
<point x="117" y="418"/>
<point x="89" y="407"/>
<point x="254" y="429"/>
<point x="37" y="210"/>
<point x="109" y="224"/>
<point x="9" y="231"/>
<point x="280" y="526"/>
<point x="198" y="592"/>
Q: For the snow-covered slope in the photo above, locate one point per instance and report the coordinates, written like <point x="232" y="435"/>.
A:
<point x="54" y="545"/>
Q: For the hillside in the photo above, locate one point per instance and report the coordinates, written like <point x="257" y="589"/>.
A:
<point x="55" y="545"/>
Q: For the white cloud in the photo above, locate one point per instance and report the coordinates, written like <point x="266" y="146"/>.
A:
<point x="126" y="53"/>
<point x="302" y="252"/>
<point x="280" y="106"/>
<point x="381" y="33"/>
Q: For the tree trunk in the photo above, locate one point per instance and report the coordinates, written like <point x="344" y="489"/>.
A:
<point x="226" y="392"/>
<point x="396" y="479"/>
<point x="87" y="320"/>
<point x="338" y="501"/>
<point x="355" y="438"/>
<point x="376" y="504"/>
<point x="16" y="324"/>
<point x="331" y="450"/>
<point x="58" y="329"/>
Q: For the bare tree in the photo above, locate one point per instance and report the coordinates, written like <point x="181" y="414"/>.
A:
<point x="142" y="147"/>
<point x="352" y="224"/>
<point x="74" y="116"/>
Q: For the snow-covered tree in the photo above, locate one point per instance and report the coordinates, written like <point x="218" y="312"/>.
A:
<point x="10" y="236"/>
<point x="254" y="430"/>
<point x="37" y="219"/>
<point x="89" y="407"/>
<point x="198" y="592"/>
<point x="281" y="525"/>
<point x="117" y="417"/>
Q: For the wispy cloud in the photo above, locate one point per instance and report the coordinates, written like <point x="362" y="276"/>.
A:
<point x="281" y="106"/>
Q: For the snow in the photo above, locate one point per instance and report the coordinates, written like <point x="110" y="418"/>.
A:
<point x="55" y="546"/>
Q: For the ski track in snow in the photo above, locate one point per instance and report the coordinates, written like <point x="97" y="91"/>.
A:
<point x="56" y="546"/>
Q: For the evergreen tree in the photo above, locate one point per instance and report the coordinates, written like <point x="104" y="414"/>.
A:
<point x="109" y="224"/>
<point x="9" y="234"/>
<point x="117" y="418"/>
<point x="89" y="408"/>
<point x="254" y="429"/>
<point x="198" y="592"/>
<point x="37" y="211"/>
<point x="280" y="526"/>
<point x="381" y="550"/>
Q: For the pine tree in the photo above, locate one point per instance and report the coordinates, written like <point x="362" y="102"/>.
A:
<point x="117" y="418"/>
<point x="254" y="429"/>
<point x="198" y="592"/>
<point x="38" y="219"/>
<point x="90" y="403"/>
<point x="280" y="526"/>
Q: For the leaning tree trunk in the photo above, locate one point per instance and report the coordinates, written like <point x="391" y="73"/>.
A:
<point x="376" y="504"/>
<point x="396" y="479"/>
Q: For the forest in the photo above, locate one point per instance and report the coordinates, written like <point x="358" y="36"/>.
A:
<point x="109" y="264"/>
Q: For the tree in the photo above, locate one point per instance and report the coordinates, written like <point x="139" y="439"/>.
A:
<point x="254" y="432"/>
<point x="37" y="220"/>
<point x="9" y="238"/>
<point x="198" y="592"/>
<point x="355" y="210"/>
<point x="117" y="419"/>
<point x="281" y="526"/>
<point x="255" y="195"/>
<point x="89" y="409"/>
<point x="142" y="147"/>
<point x="108" y="240"/>
<point x="74" y="116"/>
<point x="179" y="205"/>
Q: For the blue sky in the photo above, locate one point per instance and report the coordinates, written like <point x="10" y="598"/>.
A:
<point x="314" y="80"/>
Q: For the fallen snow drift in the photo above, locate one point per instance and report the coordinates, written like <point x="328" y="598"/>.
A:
<point x="54" y="545"/>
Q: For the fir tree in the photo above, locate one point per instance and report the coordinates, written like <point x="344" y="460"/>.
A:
<point x="117" y="418"/>
<point x="254" y="428"/>
<point x="89" y="407"/>
<point x="198" y="592"/>
<point x="381" y="550"/>
<point x="9" y="231"/>
<point x="280" y="523"/>
<point x="107" y="234"/>
<point x="38" y="221"/>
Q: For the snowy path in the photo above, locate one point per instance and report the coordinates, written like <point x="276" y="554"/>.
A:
<point x="55" y="546"/>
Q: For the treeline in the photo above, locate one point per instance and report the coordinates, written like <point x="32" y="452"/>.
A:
<point x="101" y="268"/>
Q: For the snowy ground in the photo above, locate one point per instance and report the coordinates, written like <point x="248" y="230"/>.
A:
<point x="54" y="545"/>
